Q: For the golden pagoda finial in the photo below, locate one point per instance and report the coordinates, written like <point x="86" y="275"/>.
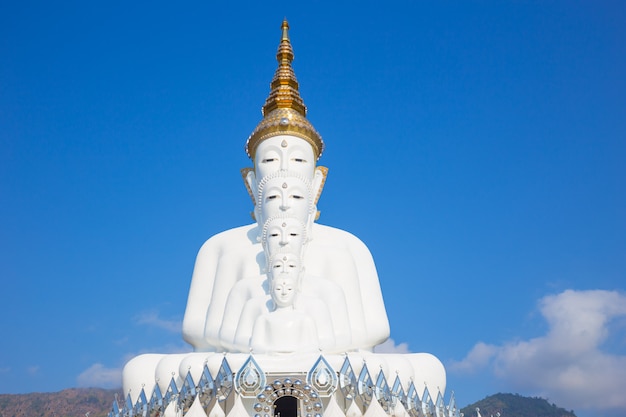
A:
<point x="284" y="112"/>
<point x="285" y="29"/>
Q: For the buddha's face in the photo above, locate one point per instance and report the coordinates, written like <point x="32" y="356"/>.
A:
<point x="283" y="291"/>
<point x="283" y="234"/>
<point x="284" y="153"/>
<point x="288" y="196"/>
<point x="284" y="271"/>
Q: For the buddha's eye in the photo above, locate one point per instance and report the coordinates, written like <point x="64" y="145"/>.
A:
<point x="273" y="234"/>
<point x="297" y="197"/>
<point x="293" y="234"/>
<point x="266" y="160"/>
<point x="299" y="160"/>
<point x="272" y="197"/>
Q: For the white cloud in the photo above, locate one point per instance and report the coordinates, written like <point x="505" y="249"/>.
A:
<point x="152" y="318"/>
<point x="567" y="364"/>
<point x="97" y="375"/>
<point x="477" y="358"/>
<point x="33" y="370"/>
<point x="389" y="346"/>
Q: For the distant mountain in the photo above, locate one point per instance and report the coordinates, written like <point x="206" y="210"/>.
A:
<point x="74" y="402"/>
<point x="514" y="405"/>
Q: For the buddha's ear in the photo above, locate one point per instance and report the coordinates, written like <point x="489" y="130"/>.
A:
<point x="319" y="179"/>
<point x="249" y="179"/>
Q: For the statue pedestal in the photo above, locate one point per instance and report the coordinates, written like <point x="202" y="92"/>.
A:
<point x="246" y="384"/>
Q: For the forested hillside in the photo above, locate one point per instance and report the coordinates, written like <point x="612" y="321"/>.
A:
<point x="513" y="405"/>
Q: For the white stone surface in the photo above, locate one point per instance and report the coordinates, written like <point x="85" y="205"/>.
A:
<point x="423" y="369"/>
<point x="332" y="254"/>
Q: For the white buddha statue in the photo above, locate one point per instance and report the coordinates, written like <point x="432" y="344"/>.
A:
<point x="286" y="320"/>
<point x="285" y="193"/>
<point x="320" y="300"/>
<point x="280" y="193"/>
<point x="285" y="286"/>
<point x="284" y="181"/>
<point x="284" y="234"/>
<point x="331" y="253"/>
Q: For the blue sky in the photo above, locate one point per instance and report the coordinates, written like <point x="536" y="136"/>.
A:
<point x="477" y="148"/>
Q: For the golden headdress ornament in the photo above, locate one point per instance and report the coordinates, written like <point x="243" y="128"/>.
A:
<point x="284" y="112"/>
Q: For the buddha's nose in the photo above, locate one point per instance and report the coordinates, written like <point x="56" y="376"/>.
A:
<point x="284" y="164"/>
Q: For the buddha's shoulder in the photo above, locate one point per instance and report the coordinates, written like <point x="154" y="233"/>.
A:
<point x="239" y="236"/>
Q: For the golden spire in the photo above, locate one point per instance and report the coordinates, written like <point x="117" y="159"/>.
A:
<point x="284" y="112"/>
